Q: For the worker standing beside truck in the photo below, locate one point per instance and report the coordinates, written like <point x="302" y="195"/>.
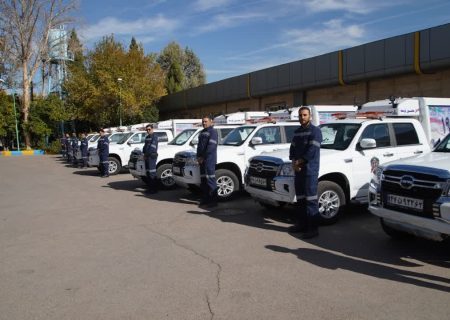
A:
<point x="150" y="151"/>
<point x="84" y="151"/>
<point x="207" y="159"/>
<point x="74" y="143"/>
<point x="103" y="153"/>
<point x="305" y="155"/>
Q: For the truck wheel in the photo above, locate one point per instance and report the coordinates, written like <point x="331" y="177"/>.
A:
<point x="394" y="233"/>
<point x="164" y="174"/>
<point x="227" y="184"/>
<point x="114" y="166"/>
<point x="331" y="201"/>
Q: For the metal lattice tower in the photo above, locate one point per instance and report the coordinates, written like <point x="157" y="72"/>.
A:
<point x="58" y="54"/>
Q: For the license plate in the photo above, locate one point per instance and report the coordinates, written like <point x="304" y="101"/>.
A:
<point x="257" y="181"/>
<point x="405" y="202"/>
<point x="176" y="170"/>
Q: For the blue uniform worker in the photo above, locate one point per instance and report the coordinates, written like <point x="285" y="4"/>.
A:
<point x="103" y="154"/>
<point x="74" y="143"/>
<point x="150" y="151"/>
<point x="207" y="158"/>
<point x="69" y="152"/>
<point x="84" y="150"/>
<point x="305" y="155"/>
<point x="63" y="146"/>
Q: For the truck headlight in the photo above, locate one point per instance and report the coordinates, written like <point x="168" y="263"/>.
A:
<point x="286" y="170"/>
<point x="446" y="190"/>
<point x="192" y="161"/>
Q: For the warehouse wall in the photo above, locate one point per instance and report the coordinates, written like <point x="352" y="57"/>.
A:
<point x="414" y="64"/>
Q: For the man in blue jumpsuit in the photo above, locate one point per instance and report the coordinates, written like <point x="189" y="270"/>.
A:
<point x="63" y="146"/>
<point x="68" y="148"/>
<point x="150" y="151"/>
<point x="207" y="159"/>
<point x="84" y="151"/>
<point x="103" y="153"/>
<point x="305" y="155"/>
<point x="74" y="149"/>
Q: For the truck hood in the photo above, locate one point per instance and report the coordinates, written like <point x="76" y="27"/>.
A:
<point x="431" y="160"/>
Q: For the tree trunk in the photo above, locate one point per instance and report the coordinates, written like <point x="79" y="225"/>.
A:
<point x="26" y="105"/>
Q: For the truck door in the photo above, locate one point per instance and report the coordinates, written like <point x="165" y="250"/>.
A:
<point x="271" y="140"/>
<point x="365" y="161"/>
<point x="407" y="141"/>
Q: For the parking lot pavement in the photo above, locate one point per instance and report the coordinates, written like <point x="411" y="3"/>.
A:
<point x="76" y="246"/>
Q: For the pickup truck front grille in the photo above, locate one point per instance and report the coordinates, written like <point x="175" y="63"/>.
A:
<point x="134" y="156"/>
<point x="261" y="173"/>
<point x="423" y="187"/>
<point x="180" y="162"/>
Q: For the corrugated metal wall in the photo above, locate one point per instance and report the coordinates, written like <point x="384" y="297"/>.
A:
<point x="422" y="51"/>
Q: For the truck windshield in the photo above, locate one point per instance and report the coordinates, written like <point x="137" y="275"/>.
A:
<point x="115" y="137"/>
<point x="125" y="138"/>
<point x="338" y="136"/>
<point x="182" y="137"/>
<point x="444" y="145"/>
<point x="238" y="136"/>
<point x="94" y="138"/>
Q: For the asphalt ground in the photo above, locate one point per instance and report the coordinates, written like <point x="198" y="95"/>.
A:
<point x="76" y="246"/>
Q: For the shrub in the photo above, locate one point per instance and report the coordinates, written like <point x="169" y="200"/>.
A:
<point x="53" y="148"/>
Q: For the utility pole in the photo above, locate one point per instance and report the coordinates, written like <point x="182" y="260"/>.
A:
<point x="119" y="80"/>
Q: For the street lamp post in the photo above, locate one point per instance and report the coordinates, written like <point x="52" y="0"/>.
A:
<point x="120" y="101"/>
<point x="15" y="116"/>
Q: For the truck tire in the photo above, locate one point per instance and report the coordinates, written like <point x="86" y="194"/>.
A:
<point x="227" y="184"/>
<point x="114" y="166"/>
<point x="164" y="174"/>
<point x="394" y="233"/>
<point x="331" y="201"/>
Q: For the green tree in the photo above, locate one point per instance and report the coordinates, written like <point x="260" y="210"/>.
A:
<point x="45" y="117"/>
<point x="174" y="79"/>
<point x="194" y="75"/>
<point x="25" y="28"/>
<point x="94" y="93"/>
<point x="174" y="60"/>
<point x="7" y="121"/>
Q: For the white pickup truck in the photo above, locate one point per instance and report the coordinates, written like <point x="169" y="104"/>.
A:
<point x="412" y="196"/>
<point x="120" y="151"/>
<point x="350" y="150"/>
<point x="186" y="140"/>
<point x="238" y="147"/>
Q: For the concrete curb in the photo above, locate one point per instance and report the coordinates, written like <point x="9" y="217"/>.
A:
<point x="22" y="153"/>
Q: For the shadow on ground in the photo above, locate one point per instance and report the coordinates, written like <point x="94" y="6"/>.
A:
<point x="357" y="235"/>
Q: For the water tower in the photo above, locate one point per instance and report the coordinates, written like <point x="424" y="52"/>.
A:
<point x="58" y="54"/>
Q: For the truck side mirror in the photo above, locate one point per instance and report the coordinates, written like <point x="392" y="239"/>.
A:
<point x="194" y="141"/>
<point x="256" y="140"/>
<point x="368" y="143"/>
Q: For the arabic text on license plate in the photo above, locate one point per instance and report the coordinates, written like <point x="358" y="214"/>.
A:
<point x="176" y="170"/>
<point x="258" y="181"/>
<point x="405" y="202"/>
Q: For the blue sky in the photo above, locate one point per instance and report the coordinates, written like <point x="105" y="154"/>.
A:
<point x="233" y="37"/>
